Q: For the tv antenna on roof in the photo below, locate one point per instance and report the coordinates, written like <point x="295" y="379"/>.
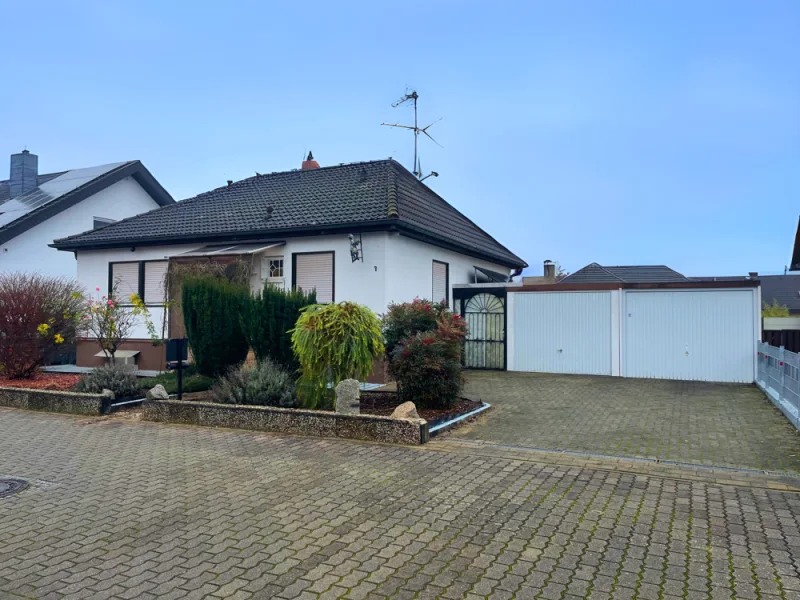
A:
<point x="412" y="96"/>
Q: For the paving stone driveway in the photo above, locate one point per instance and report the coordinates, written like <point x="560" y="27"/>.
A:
<point x="693" y="422"/>
<point x="141" y="510"/>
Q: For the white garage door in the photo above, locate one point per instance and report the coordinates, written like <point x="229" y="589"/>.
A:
<point x="562" y="332"/>
<point x="697" y="335"/>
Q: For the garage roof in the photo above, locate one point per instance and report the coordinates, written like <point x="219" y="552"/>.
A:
<point x="595" y="273"/>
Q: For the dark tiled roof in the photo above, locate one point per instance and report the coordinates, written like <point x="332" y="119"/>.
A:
<point x="783" y="288"/>
<point x="594" y="273"/>
<point x="379" y="194"/>
<point x="5" y="192"/>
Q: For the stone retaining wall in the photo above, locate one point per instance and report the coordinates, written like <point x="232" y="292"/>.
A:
<point x="52" y="401"/>
<point x="289" y="420"/>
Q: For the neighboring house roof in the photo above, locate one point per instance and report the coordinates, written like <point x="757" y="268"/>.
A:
<point x="595" y="273"/>
<point x="783" y="288"/>
<point x="59" y="191"/>
<point x="5" y="189"/>
<point x="795" y="265"/>
<point x="377" y="195"/>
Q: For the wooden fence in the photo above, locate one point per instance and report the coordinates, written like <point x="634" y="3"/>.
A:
<point x="788" y="338"/>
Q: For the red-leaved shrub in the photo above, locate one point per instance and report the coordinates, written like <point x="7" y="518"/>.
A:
<point x="427" y="364"/>
<point x="38" y="315"/>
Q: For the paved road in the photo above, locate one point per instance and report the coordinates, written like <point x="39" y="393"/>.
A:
<point x="139" y="510"/>
<point x="692" y="422"/>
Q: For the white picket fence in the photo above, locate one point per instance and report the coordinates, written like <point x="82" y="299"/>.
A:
<point x="778" y="375"/>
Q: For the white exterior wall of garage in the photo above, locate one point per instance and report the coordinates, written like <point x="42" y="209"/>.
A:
<point x="687" y="334"/>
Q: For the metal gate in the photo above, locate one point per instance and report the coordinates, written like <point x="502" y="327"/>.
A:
<point x="485" y="347"/>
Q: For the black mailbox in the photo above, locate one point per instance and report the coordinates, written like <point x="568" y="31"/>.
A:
<point x="177" y="350"/>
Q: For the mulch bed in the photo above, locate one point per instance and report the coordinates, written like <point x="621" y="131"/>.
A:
<point x="43" y="381"/>
<point x="384" y="403"/>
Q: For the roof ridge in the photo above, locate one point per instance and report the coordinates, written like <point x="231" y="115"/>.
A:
<point x="63" y="197"/>
<point x="446" y="203"/>
<point x="391" y="194"/>
<point x="602" y="268"/>
<point x="295" y="172"/>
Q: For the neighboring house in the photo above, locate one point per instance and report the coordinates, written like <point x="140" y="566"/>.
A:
<point x="595" y="273"/>
<point x="36" y="209"/>
<point x="783" y="288"/>
<point x="368" y="232"/>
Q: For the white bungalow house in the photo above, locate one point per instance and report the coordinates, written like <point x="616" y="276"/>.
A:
<point x="37" y="208"/>
<point x="368" y="232"/>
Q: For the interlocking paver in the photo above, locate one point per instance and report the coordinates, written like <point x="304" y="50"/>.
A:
<point x="140" y="510"/>
<point x="683" y="421"/>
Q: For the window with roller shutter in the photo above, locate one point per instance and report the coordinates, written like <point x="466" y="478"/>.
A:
<point x="154" y="274"/>
<point x="125" y="276"/>
<point x="314" y="271"/>
<point x="441" y="283"/>
<point x="145" y="278"/>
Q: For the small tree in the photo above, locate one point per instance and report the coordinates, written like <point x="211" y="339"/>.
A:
<point x="211" y="313"/>
<point x="111" y="322"/>
<point x="775" y="310"/>
<point x="38" y="316"/>
<point x="561" y="273"/>
<point x="268" y="320"/>
<point x="334" y="342"/>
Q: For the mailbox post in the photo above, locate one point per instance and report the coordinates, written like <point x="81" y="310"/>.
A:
<point x="177" y="353"/>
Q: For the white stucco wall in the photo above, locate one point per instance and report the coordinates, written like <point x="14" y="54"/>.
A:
<point x="29" y="251"/>
<point x="410" y="268"/>
<point x="92" y="273"/>
<point x="394" y="269"/>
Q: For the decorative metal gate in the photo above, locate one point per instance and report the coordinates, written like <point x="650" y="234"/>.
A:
<point x="485" y="347"/>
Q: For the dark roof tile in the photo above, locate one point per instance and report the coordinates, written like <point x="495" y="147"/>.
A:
<point x="380" y="192"/>
<point x="595" y="273"/>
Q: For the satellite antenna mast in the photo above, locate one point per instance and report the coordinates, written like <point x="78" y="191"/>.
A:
<point x="412" y="97"/>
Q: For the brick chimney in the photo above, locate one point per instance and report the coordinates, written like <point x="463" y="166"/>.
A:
<point x="550" y="270"/>
<point x="24" y="175"/>
<point x="309" y="163"/>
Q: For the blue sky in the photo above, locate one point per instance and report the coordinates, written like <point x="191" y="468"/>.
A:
<point x="659" y="132"/>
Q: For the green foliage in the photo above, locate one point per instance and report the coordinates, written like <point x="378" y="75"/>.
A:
<point x="211" y="310"/>
<point x="402" y="321"/>
<point x="427" y="364"/>
<point x="264" y="384"/>
<point x="334" y="342"/>
<point x="38" y="317"/>
<point x="268" y="320"/>
<point x="192" y="381"/>
<point x="112" y="319"/>
<point x="775" y="310"/>
<point x="114" y="377"/>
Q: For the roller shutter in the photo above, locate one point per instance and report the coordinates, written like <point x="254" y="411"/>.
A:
<point x="314" y="271"/>
<point x="154" y="274"/>
<point x="125" y="276"/>
<point x="439" y="292"/>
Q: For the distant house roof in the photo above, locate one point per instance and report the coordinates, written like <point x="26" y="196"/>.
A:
<point x="58" y="191"/>
<point x="5" y="189"/>
<point x="595" y="273"/>
<point x="377" y="195"/>
<point x="783" y="288"/>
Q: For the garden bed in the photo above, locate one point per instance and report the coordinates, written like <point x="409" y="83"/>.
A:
<point x="384" y="403"/>
<point x="43" y="381"/>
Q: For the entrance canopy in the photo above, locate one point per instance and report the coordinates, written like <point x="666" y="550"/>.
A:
<point x="232" y="249"/>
